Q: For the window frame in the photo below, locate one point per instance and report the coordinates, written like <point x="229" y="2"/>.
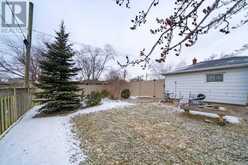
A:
<point x="216" y="77"/>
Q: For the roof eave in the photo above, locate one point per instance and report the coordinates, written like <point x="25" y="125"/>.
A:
<point x="207" y="69"/>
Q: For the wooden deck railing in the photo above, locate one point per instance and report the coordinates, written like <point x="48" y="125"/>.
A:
<point x="14" y="102"/>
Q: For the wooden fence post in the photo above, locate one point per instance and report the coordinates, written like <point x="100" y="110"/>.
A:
<point x="1" y="117"/>
<point x="15" y="106"/>
<point x="3" y="114"/>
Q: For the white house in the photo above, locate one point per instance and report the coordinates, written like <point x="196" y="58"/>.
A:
<point x="222" y="81"/>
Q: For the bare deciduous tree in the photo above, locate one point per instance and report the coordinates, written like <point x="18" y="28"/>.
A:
<point x="12" y="60"/>
<point x="92" y="61"/>
<point x="113" y="75"/>
<point x="190" y="20"/>
<point x="157" y="69"/>
<point x="116" y="74"/>
<point x="236" y="52"/>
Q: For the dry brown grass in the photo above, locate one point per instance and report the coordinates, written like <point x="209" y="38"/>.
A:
<point x="150" y="134"/>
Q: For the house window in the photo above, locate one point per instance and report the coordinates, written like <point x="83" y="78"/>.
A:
<point x="215" y="78"/>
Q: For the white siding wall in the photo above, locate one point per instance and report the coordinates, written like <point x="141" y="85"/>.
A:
<point x="234" y="89"/>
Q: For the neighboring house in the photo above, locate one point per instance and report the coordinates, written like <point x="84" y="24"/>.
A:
<point x="13" y="82"/>
<point x="92" y="82"/>
<point x="3" y="85"/>
<point x="222" y="81"/>
<point x="16" y="82"/>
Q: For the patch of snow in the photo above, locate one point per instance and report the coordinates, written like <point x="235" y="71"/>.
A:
<point x="46" y="141"/>
<point x="206" y="114"/>
<point x="183" y="101"/>
<point x="106" y="104"/>
<point x="35" y="141"/>
<point x="229" y="119"/>
<point x="136" y="97"/>
<point x="83" y="104"/>
<point x="133" y="97"/>
<point x="232" y="119"/>
<point x="75" y="154"/>
<point x="145" y="96"/>
<point x="222" y="108"/>
<point x="6" y="131"/>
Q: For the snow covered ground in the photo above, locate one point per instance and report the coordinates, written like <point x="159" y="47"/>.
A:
<point x="137" y="97"/>
<point x="46" y="141"/>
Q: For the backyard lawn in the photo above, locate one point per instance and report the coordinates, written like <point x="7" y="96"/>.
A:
<point x="40" y="140"/>
<point x="149" y="133"/>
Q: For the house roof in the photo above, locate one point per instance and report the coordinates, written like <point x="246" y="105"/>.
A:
<point x="225" y="63"/>
<point x="3" y="83"/>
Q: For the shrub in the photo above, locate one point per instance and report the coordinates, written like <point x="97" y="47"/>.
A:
<point x="125" y="94"/>
<point x="82" y="96"/>
<point x="112" y="97"/>
<point x="105" y="93"/>
<point x="93" y="99"/>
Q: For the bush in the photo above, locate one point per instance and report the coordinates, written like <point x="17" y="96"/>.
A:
<point x="125" y="94"/>
<point x="82" y="96"/>
<point x="105" y="93"/>
<point x="93" y="99"/>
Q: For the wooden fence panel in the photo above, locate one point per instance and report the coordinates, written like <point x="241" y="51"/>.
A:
<point x="1" y="116"/>
<point x="13" y="104"/>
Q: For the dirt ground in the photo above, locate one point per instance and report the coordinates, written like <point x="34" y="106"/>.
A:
<point x="149" y="133"/>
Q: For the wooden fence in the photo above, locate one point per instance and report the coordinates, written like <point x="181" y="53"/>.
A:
<point x="152" y="88"/>
<point x="14" y="102"/>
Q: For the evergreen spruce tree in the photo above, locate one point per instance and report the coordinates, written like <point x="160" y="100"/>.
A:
<point x="58" y="92"/>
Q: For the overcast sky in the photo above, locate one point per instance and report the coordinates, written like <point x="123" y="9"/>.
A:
<point x="100" y="22"/>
